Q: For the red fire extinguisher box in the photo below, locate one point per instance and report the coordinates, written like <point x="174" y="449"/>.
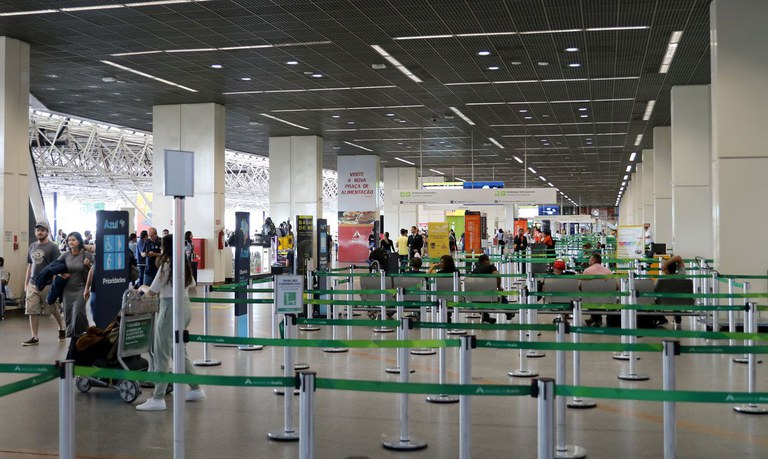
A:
<point x="199" y="247"/>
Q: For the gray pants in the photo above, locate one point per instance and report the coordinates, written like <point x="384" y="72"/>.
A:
<point x="163" y="344"/>
<point x="74" y="312"/>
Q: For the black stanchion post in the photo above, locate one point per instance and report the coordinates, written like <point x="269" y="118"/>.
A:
<point x="306" y="414"/>
<point x="249" y="328"/>
<point x="66" y="409"/>
<point x="206" y="361"/>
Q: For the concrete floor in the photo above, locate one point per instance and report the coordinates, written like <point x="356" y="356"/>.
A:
<point x="234" y="422"/>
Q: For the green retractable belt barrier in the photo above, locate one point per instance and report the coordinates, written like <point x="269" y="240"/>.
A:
<point x="44" y="374"/>
<point x="364" y="344"/>
<point x="651" y="395"/>
<point x="184" y="378"/>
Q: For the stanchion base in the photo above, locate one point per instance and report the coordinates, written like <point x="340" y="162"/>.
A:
<point x="581" y="403"/>
<point x="740" y="360"/>
<point x="383" y="330"/>
<point x="281" y="391"/>
<point x="336" y="350"/>
<point x="206" y="363"/>
<point x="473" y="316"/>
<point x="633" y="377"/>
<point x="297" y="366"/>
<point x="456" y="332"/>
<point x="442" y="398"/>
<point x="251" y="347"/>
<point x="283" y="436"/>
<point x="571" y="452"/>
<point x="523" y="373"/>
<point x="424" y="351"/>
<point x="750" y="409"/>
<point x="404" y="445"/>
<point x="396" y="370"/>
<point x="535" y="354"/>
<point x="309" y="328"/>
<point x="623" y="356"/>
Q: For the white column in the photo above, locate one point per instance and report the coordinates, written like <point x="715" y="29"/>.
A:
<point x="15" y="159"/>
<point x="662" y="188"/>
<point x="198" y="128"/>
<point x="639" y="193"/>
<point x="739" y="40"/>
<point x="396" y="215"/>
<point x="648" y="203"/>
<point x="691" y="171"/>
<point x="295" y="177"/>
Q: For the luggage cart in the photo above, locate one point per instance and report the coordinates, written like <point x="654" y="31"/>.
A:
<point x="135" y="337"/>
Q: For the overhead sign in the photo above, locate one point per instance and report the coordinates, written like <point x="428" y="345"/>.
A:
<point x="504" y="196"/>
<point x="289" y="294"/>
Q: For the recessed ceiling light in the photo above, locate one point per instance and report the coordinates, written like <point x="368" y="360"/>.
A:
<point x="543" y="63"/>
<point x="350" y="122"/>
<point x="292" y="63"/>
<point x="402" y="121"/>
<point x="484" y="53"/>
<point x="529" y="117"/>
<point x="582" y="109"/>
<point x="399" y="143"/>
<point x="523" y="110"/>
<point x="390" y="114"/>
<point x="572" y="49"/>
<point x="317" y="75"/>
<point x="584" y="116"/>
<point x="216" y="66"/>
<point x="574" y="64"/>
<point x="632" y="156"/>
<point x="516" y="63"/>
<point x="246" y="78"/>
<point x="335" y="116"/>
<point x="493" y="67"/>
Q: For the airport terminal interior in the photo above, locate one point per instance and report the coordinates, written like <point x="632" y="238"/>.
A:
<point x="477" y="228"/>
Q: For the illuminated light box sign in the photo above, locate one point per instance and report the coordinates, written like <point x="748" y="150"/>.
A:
<point x="549" y="210"/>
<point x="475" y="197"/>
<point x="527" y="211"/>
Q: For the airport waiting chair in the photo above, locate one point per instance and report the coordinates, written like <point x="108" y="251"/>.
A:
<point x="482" y="285"/>
<point x="607" y="286"/>
<point x="675" y="286"/>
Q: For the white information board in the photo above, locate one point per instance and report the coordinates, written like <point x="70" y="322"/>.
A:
<point x="504" y="196"/>
<point x="289" y="294"/>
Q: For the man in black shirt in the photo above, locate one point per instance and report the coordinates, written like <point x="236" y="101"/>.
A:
<point x="519" y="245"/>
<point x="415" y="242"/>
<point x="151" y="250"/>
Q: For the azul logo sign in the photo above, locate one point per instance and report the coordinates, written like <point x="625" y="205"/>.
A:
<point x="114" y="224"/>
<point x="405" y="194"/>
<point x="500" y="193"/>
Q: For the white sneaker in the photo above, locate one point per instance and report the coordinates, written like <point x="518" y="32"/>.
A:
<point x="194" y="395"/>
<point x="152" y="404"/>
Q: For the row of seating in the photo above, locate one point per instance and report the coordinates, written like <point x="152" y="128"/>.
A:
<point x="610" y="287"/>
<point x="443" y="284"/>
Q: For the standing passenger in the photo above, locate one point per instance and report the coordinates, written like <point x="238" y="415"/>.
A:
<point x="79" y="262"/>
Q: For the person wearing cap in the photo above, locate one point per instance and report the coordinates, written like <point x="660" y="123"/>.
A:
<point x="559" y="268"/>
<point x="41" y="253"/>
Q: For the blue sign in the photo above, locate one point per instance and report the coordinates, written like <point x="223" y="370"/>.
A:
<point x="549" y="210"/>
<point x="481" y="185"/>
<point x="111" y="275"/>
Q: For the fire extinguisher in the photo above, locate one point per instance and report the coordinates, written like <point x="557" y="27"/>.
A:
<point x="221" y="239"/>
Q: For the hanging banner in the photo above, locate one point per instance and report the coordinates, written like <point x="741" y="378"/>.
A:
<point x="304" y="236"/>
<point x="438" y="239"/>
<point x="504" y="196"/>
<point x="242" y="268"/>
<point x="112" y="273"/>
<point x="358" y="205"/>
<point x="472" y="233"/>
<point x="630" y="242"/>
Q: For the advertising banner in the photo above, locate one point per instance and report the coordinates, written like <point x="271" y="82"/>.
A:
<point x="304" y="236"/>
<point x="358" y="205"/>
<point x="323" y="245"/>
<point x="503" y="196"/>
<point x="630" y="242"/>
<point x="242" y="268"/>
<point x="520" y="223"/>
<point x="112" y="273"/>
<point x="472" y="233"/>
<point x="438" y="240"/>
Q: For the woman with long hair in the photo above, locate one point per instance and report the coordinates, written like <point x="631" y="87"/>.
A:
<point x="74" y="295"/>
<point x="163" y="345"/>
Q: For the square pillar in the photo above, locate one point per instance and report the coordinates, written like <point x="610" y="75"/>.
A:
<point x="295" y="177"/>
<point x="662" y="188"/>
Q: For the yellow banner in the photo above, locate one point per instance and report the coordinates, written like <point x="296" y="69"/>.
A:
<point x="439" y="233"/>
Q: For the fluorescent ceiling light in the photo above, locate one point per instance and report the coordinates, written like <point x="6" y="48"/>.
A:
<point x="572" y="49"/>
<point x="550" y="184"/>
<point x="90" y="8"/>
<point x="396" y="63"/>
<point x="518" y="159"/>
<point x="146" y="75"/>
<point x="632" y="156"/>
<point x="73" y="9"/>
<point x="358" y="146"/>
<point x="669" y="54"/>
<point x="25" y="13"/>
<point x="576" y="101"/>
<point x="604" y="29"/>
<point x="542" y="178"/>
<point x="629" y="168"/>
<point x="226" y="48"/>
<point x="340" y="88"/>
<point x="437" y="172"/>
<point x="405" y="161"/>
<point x="496" y="142"/>
<point x="626" y="177"/>
<point x="623" y="184"/>
<point x="459" y="179"/>
<point x="462" y="116"/>
<point x="638" y="139"/>
<point x="532" y="170"/>
<point x="549" y="80"/>
<point x="649" y="110"/>
<point x="526" y="32"/>
<point x="267" y="115"/>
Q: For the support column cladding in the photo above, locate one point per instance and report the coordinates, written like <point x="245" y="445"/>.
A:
<point x="739" y="38"/>
<point x="15" y="159"/>
<point x="691" y="171"/>
<point x="648" y="203"/>
<point x="662" y="188"/>
<point x="198" y="128"/>
<point x="295" y="177"/>
<point x="639" y="194"/>
<point x="396" y="215"/>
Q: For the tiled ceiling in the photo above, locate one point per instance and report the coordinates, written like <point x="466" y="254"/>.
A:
<point x="575" y="125"/>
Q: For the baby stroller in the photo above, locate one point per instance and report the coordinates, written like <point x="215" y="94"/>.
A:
<point x="120" y="345"/>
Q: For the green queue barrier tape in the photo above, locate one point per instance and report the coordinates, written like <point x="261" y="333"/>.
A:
<point x="359" y="344"/>
<point x="231" y="300"/>
<point x="663" y="333"/>
<point x="25" y="368"/>
<point x="185" y="378"/>
<point x="511" y="306"/>
<point x="422" y="388"/>
<point x="551" y="346"/>
<point x="724" y="349"/>
<point x="702" y="295"/>
<point x="476" y="326"/>
<point x="390" y="291"/>
<point x="651" y="395"/>
<point x="372" y="303"/>
<point x="352" y="322"/>
<point x="30" y="382"/>
<point x="743" y="276"/>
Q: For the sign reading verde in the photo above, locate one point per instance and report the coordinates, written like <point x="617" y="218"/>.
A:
<point x="289" y="294"/>
<point x="503" y="196"/>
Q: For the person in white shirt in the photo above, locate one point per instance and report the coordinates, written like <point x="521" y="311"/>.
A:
<point x="648" y="234"/>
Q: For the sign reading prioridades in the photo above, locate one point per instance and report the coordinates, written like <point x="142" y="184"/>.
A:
<point x="111" y="275"/>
